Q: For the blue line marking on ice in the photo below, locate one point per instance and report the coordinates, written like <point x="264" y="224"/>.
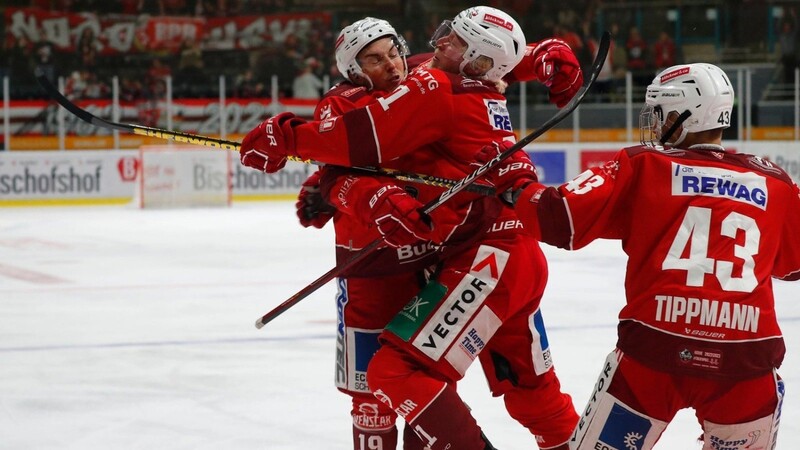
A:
<point x="309" y="337"/>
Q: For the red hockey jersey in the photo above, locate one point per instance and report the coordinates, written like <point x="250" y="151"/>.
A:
<point x="434" y="123"/>
<point x="351" y="234"/>
<point x="704" y="231"/>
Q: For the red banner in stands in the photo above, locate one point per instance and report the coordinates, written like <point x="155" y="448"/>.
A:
<point x="124" y="33"/>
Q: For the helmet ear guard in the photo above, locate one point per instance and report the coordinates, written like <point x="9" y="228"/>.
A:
<point x="701" y="95"/>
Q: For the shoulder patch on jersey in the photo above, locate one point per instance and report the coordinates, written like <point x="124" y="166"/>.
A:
<point x="764" y="164"/>
<point x="327" y="124"/>
<point x="325" y="111"/>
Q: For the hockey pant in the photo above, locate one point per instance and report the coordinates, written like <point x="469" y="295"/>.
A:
<point x="364" y="306"/>
<point x="632" y="404"/>
<point x="484" y="304"/>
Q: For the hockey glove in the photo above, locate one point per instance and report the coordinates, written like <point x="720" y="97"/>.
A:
<point x="312" y="209"/>
<point x="385" y="205"/>
<point x="557" y="68"/>
<point x="266" y="146"/>
<point x="512" y="174"/>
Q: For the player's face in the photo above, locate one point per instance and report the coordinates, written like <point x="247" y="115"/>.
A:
<point x="382" y="63"/>
<point x="449" y="53"/>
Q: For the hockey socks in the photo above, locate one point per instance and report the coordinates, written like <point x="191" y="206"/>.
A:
<point x="446" y="423"/>
<point x="430" y="406"/>
<point x="374" y="439"/>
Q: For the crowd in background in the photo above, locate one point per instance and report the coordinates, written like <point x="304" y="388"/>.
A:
<point x="303" y="62"/>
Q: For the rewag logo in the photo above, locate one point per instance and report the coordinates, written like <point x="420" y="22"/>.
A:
<point x="742" y="187"/>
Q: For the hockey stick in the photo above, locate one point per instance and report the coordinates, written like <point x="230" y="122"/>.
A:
<point x="602" y="51"/>
<point x="206" y="141"/>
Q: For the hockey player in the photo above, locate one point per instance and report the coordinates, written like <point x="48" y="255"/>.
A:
<point x="372" y="56"/>
<point x="705" y="231"/>
<point x="468" y="310"/>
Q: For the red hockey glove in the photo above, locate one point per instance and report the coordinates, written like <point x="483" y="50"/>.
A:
<point x="266" y="146"/>
<point x="398" y="217"/>
<point x="312" y="209"/>
<point x="557" y="68"/>
<point x="386" y="205"/>
<point x="512" y="174"/>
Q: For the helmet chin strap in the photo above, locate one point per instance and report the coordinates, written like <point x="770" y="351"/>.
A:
<point x="360" y="79"/>
<point x="678" y="122"/>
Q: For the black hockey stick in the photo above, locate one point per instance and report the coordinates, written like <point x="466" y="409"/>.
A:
<point x="206" y="141"/>
<point x="602" y="51"/>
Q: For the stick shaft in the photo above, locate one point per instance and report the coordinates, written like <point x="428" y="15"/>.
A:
<point x="207" y="141"/>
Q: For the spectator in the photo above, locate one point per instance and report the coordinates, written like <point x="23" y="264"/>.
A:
<point x="664" y="52"/>
<point x="570" y="37"/>
<point x="19" y="58"/>
<point x="174" y="8"/>
<point x="151" y="7"/>
<point x="307" y="84"/>
<point x="52" y="5"/>
<point x="190" y="61"/>
<point x="75" y="86"/>
<point x="246" y="86"/>
<point x="290" y="59"/>
<point x="637" y="57"/>
<point x="210" y="8"/>
<point x="604" y="85"/>
<point x="87" y="47"/>
<point x="619" y="56"/>
<point x="94" y="87"/>
<point x="155" y="82"/>
<point x="44" y="60"/>
<point x="129" y="7"/>
<point x="787" y="40"/>
<point x="317" y="48"/>
<point x="264" y="61"/>
<point x="333" y="71"/>
<point x="131" y="90"/>
<point x="5" y="62"/>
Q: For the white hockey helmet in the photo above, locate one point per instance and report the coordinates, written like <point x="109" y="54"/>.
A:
<point x="354" y="37"/>
<point x="701" y="94"/>
<point x="491" y="33"/>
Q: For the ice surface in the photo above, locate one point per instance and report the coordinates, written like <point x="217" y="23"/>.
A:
<point x="130" y="329"/>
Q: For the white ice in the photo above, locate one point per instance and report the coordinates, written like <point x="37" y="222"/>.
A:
<point x="129" y="329"/>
